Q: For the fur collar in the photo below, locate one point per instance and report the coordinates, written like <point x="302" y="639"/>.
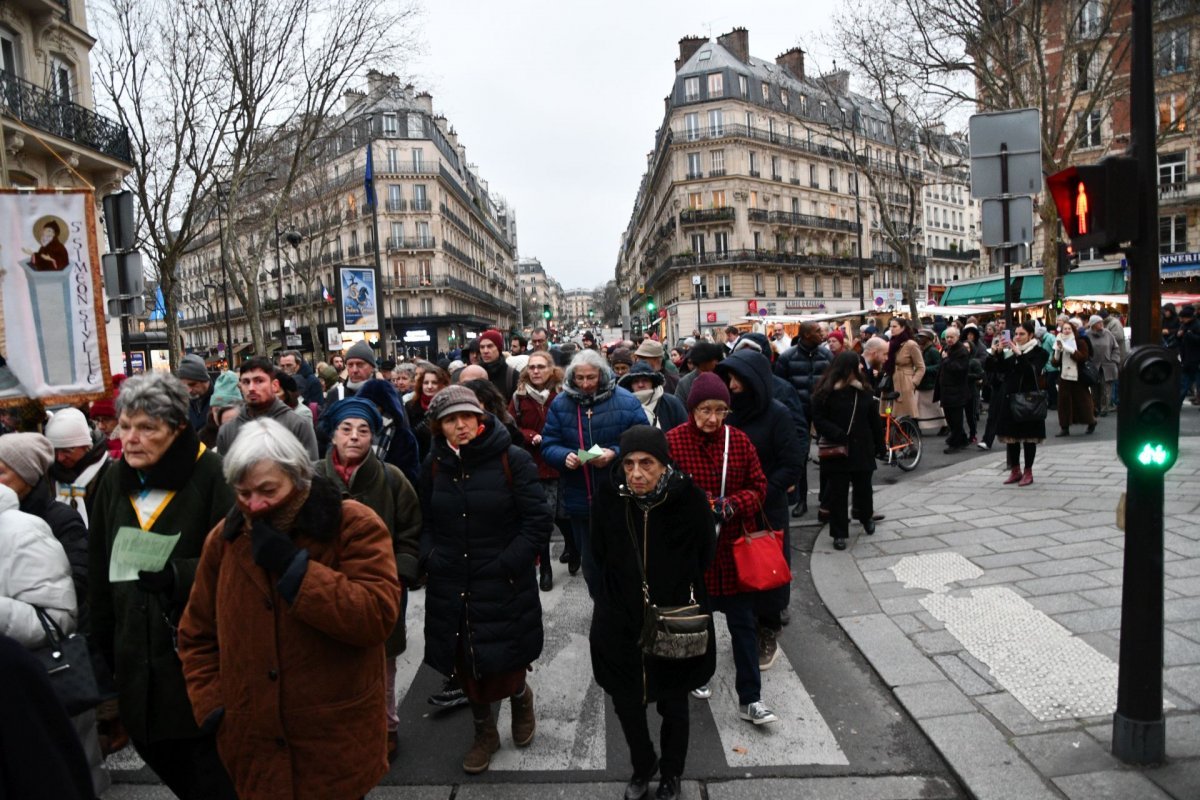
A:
<point x="172" y="472"/>
<point x="320" y="516"/>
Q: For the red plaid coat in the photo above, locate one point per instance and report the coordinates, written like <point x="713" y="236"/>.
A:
<point x="699" y="455"/>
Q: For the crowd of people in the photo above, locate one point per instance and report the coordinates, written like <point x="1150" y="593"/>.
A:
<point x="297" y="506"/>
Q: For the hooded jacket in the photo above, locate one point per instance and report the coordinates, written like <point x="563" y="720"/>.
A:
<point x="34" y="571"/>
<point x="281" y="413"/>
<point x="766" y="422"/>
<point x="602" y="417"/>
<point x="395" y="444"/>
<point x="662" y="409"/>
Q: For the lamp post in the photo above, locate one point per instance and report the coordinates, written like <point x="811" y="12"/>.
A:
<point x="294" y="238"/>
<point x="224" y="278"/>
<point x="862" y="284"/>
<point x="228" y="344"/>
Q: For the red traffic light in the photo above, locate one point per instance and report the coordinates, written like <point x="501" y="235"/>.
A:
<point x="1093" y="202"/>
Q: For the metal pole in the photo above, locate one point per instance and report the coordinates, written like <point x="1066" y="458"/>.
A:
<point x="1139" y="730"/>
<point x="1006" y="251"/>
<point x="224" y="282"/>
<point x="279" y="276"/>
<point x="862" y="284"/>
<point x="122" y="292"/>
<point x="384" y="333"/>
<point x="698" y="328"/>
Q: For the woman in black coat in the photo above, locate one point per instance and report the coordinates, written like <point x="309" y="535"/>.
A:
<point x="954" y="389"/>
<point x="844" y="412"/>
<point x="653" y="515"/>
<point x="484" y="520"/>
<point x="1019" y="363"/>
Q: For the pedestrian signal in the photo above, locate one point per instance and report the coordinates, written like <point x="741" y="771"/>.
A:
<point x="1093" y="201"/>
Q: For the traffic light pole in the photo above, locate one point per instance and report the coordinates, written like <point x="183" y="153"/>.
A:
<point x="1139" y="730"/>
<point x="1007" y="233"/>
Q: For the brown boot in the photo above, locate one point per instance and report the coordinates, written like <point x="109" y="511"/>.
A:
<point x="523" y="724"/>
<point x="487" y="740"/>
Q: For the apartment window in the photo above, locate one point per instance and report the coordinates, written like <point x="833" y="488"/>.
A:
<point x="1171" y="50"/>
<point x="813" y="181"/>
<point x="416" y="126"/>
<point x="418" y="159"/>
<point x="742" y="87"/>
<point x="10" y="52"/>
<point x="770" y="129"/>
<point x="753" y="163"/>
<point x="718" y="162"/>
<point x="61" y="78"/>
<point x="1090" y="17"/>
<point x="724" y="286"/>
<point x="780" y="285"/>
<point x="776" y="168"/>
<point x="400" y="306"/>
<point x="749" y="121"/>
<point x="698" y="243"/>
<point x="793" y="166"/>
<point x="1172" y="169"/>
<point x="691" y="126"/>
<point x="799" y="286"/>
<point x="395" y="198"/>
<point x="783" y="97"/>
<point x="691" y="89"/>
<point x="1084" y="80"/>
<point x="393" y="160"/>
<point x="757" y="240"/>
<point x="716" y="122"/>
<point x="425" y="271"/>
<point x="396" y="234"/>
<point x="718" y="198"/>
<point x="818" y="286"/>
<point x="804" y="105"/>
<point x="426" y="306"/>
<point x="753" y="200"/>
<point x="833" y="180"/>
<point x="702" y="289"/>
<point x="721" y="243"/>
<point x="695" y="201"/>
<point x="390" y="127"/>
<point x="1172" y="234"/>
<point x="795" y="205"/>
<point x="1172" y="112"/>
<point x="716" y="85"/>
<point x="423" y="234"/>
<point x="824" y="109"/>
<point x="420" y="199"/>
<point x="758" y="285"/>
<point x="766" y="92"/>
<point x="1088" y="129"/>
<point x="837" y="286"/>
<point x="693" y="165"/>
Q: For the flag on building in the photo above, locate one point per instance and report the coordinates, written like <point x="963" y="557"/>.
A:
<point x="369" y="179"/>
<point x="325" y="294"/>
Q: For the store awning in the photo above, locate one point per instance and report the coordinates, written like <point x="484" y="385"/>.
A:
<point x="1099" y="281"/>
<point x="956" y="295"/>
<point x="1031" y="289"/>
<point x="988" y="292"/>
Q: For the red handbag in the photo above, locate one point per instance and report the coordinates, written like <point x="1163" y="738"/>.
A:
<point x="758" y="556"/>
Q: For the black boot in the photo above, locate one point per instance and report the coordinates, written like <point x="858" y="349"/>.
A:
<point x="668" y="788"/>
<point x="546" y="579"/>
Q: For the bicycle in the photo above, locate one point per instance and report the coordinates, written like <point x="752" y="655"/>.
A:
<point x="901" y="437"/>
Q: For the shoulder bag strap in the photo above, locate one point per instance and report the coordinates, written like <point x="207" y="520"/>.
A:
<point x="587" y="476"/>
<point x="724" y="471"/>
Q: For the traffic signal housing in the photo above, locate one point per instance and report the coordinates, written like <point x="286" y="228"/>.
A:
<point x="650" y="306"/>
<point x="1067" y="258"/>
<point x="1148" y="415"/>
<point x="1094" y="202"/>
<point x="546" y="312"/>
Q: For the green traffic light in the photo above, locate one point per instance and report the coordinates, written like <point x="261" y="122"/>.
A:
<point x="1154" y="454"/>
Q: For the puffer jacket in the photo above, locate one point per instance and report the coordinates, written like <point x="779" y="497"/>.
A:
<point x="767" y="423"/>
<point x="483" y="527"/>
<point x="68" y="528"/>
<point x="34" y="571"/>
<point x="603" y="417"/>
<point x="954" y="380"/>
<point x="802" y="367"/>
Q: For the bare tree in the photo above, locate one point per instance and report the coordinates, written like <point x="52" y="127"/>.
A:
<point x="231" y="94"/>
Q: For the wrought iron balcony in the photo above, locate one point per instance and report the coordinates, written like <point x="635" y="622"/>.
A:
<point x="420" y="205"/>
<point x="395" y="205"/>
<point x="699" y="216"/>
<point x="48" y="112"/>
<point x="810" y="221"/>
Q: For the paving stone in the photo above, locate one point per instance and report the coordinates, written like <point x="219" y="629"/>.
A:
<point x="1113" y="577"/>
<point x="1065" y="551"/>
<point x="1108" y="596"/>
<point x="886" y="787"/>
<point x="1060" y="603"/>
<point x="1178" y="779"/>
<point x="1066" y="566"/>
<point x="1181" y="610"/>
<point x="414" y="793"/>
<point x="923" y="543"/>
<point x="889" y="650"/>
<point x="984" y="760"/>
<point x="1013" y="559"/>
<point x="1109" y="785"/>
<point x="1043" y="527"/>
<point x="1107" y="644"/>
<point x="965" y="678"/>
<point x="1183" y="569"/>
<point x="1061" y="583"/>
<point x="976" y="536"/>
<point x="1095" y="619"/>
<point x="1030" y="543"/>
<point x="1068" y="753"/>
<point x="893" y="588"/>
<point x="934" y="642"/>
<point x="1188" y="587"/>
<point x="841" y="586"/>
<point x="909" y="623"/>
<point x="549" y="791"/>
<point x="928" y="519"/>
<point x="1044" y="513"/>
<point x="1179" y="651"/>
<point x="1183" y="735"/>
<point x="937" y="699"/>
<point x="999" y="575"/>
<point x="1114" y="559"/>
<point x="900" y="605"/>
<point x="1009" y="712"/>
<point x="929" y="620"/>
<point x="879" y="576"/>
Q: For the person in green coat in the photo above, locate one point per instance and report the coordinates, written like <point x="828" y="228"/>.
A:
<point x="929" y="411"/>
<point x="357" y="472"/>
<point x="166" y="484"/>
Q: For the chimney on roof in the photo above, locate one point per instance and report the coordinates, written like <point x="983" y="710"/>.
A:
<point x="838" y="81"/>
<point x="688" y="46"/>
<point x="737" y="42"/>
<point x="793" y="61"/>
<point x="424" y="102"/>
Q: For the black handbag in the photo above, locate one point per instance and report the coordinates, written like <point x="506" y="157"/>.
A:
<point x="1089" y="376"/>
<point x="69" y="666"/>
<point x="827" y="451"/>
<point x="1030" y="406"/>
<point x="673" y="632"/>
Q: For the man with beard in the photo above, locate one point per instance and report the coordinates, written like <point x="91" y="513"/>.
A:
<point x="491" y="356"/>
<point x="360" y="368"/>
<point x="260" y="390"/>
<point x="80" y="460"/>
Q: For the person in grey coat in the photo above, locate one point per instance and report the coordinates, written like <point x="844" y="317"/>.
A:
<point x="256" y="379"/>
<point x="1106" y="356"/>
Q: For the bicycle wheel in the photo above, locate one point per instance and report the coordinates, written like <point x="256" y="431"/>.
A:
<point x="908" y="456"/>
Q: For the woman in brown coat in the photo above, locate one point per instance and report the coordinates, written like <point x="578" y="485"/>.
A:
<point x="905" y="365"/>
<point x="282" y="642"/>
<point x="1071" y="352"/>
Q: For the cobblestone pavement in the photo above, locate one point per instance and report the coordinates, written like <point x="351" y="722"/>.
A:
<point x="994" y="614"/>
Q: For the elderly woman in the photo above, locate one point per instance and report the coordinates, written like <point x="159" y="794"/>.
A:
<point x="905" y="367"/>
<point x="354" y="467"/>
<point x="1018" y="363"/>
<point x="394" y="442"/>
<point x="590" y="412"/>
<point x="955" y="380"/>
<point x="699" y="448"/>
<point x="485" y="519"/>
<point x="166" y="484"/>
<point x="282" y="642"/>
<point x="654" y="528"/>
<point x="663" y="411"/>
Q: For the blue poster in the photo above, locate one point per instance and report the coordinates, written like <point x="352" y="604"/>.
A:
<point x="359" y="299"/>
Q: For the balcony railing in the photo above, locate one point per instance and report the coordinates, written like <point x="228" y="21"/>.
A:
<point x="716" y="173"/>
<point x="810" y="221"/>
<point x="699" y="216"/>
<point x="46" y="111"/>
<point x="730" y="257"/>
<point x="410" y="243"/>
<point x="395" y="205"/>
<point x="420" y="205"/>
<point x="757" y="214"/>
<point x="1179" y="191"/>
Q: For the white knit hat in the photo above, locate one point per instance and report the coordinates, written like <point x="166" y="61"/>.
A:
<point x="68" y="428"/>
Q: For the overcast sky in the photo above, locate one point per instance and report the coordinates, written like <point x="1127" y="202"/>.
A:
<point x="557" y="102"/>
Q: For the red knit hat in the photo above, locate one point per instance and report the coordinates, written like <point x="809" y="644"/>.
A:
<point x="707" y="386"/>
<point x="837" y="333"/>
<point x="103" y="408"/>
<point x="494" y="336"/>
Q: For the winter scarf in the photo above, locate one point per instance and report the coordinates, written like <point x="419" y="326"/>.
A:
<point x="649" y="399"/>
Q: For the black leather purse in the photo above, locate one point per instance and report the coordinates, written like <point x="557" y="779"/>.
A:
<point x="1031" y="406"/>
<point x="673" y="632"/>
<point x="69" y="666"/>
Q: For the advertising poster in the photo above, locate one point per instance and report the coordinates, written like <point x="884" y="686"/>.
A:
<point x="358" y="299"/>
<point x="52" y="340"/>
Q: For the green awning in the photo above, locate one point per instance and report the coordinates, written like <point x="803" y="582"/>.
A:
<point x="1031" y="289"/>
<point x="988" y="292"/>
<point x="1097" y="281"/>
<point x="958" y="295"/>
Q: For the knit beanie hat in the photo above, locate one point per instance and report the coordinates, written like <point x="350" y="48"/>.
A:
<point x="225" y="391"/>
<point x="355" y="408"/>
<point x="27" y="454"/>
<point x="494" y="336"/>
<point x="707" y="386"/>
<point x="453" y="399"/>
<point x="327" y="374"/>
<point x="645" y="439"/>
<point x="103" y="408"/>
<point x="69" y="428"/>
<point x="621" y="356"/>
<point x="191" y="368"/>
<point x="1095" y="319"/>
<point x="362" y="351"/>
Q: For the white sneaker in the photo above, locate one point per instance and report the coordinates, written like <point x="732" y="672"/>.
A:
<point x="702" y="692"/>
<point x="758" y="713"/>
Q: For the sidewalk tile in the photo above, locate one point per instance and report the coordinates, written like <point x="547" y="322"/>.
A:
<point x="1188" y="587"/>
<point x="1009" y="712"/>
<point x="1109" y="785"/>
<point x="883" y="787"/>
<point x="909" y="624"/>
<point x="1061" y="583"/>
<point x="976" y="536"/>
<point x="911" y="545"/>
<point x="1180" y="779"/>
<point x="1179" y="651"/>
<point x="1113" y="576"/>
<point x="999" y="575"/>
<point x="1022" y="543"/>
<point x="929" y="620"/>
<point x="936" y="642"/>
<point x="1107" y="644"/>
<point x="1061" y="603"/>
<point x="1183" y="609"/>
<point x="938" y="699"/>
<point x="984" y="760"/>
<point x="889" y="650"/>
<point x="1069" y="753"/>
<point x="1066" y="566"/>
<point x="1090" y="620"/>
<point x="965" y="678"/>
<point x="901" y="605"/>
<point x="1183" y="735"/>
<point x="1012" y="559"/>
<point x="1183" y="569"/>
<point x="1065" y="551"/>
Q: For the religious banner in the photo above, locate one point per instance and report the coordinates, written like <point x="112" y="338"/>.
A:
<point x="52" y="341"/>
<point x="358" y="299"/>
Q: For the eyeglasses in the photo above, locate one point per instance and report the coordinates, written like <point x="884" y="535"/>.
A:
<point x="719" y="413"/>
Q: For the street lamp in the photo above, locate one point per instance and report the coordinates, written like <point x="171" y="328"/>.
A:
<point x="224" y="276"/>
<point x="228" y="335"/>
<point x="294" y="237"/>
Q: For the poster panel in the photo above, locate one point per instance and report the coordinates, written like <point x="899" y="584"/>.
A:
<point x="358" y="299"/>
<point x="53" y="345"/>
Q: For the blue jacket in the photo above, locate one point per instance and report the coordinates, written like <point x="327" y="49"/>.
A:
<point x="603" y="417"/>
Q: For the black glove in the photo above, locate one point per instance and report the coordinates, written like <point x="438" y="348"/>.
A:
<point x="272" y="550"/>
<point x="161" y="582"/>
<point x="213" y="720"/>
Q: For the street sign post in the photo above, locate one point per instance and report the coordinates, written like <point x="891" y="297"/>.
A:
<point x="1019" y="223"/>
